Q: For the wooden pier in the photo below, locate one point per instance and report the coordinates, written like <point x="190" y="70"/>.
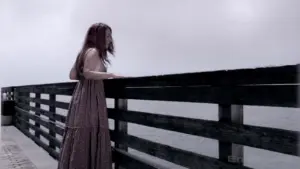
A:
<point x="230" y="90"/>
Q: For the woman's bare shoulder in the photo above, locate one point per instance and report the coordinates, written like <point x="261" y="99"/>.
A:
<point x="91" y="52"/>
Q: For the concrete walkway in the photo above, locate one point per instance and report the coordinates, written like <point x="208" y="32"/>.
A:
<point x="19" y="152"/>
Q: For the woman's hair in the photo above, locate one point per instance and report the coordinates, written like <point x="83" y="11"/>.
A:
<point x="97" y="36"/>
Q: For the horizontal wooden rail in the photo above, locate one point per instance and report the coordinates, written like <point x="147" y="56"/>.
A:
<point x="267" y="75"/>
<point x="57" y="104"/>
<point x="283" y="141"/>
<point x="40" y="131"/>
<point x="43" y="122"/>
<point x="271" y="95"/>
<point x="48" y="89"/>
<point x="43" y="112"/>
<point x="7" y="89"/>
<point x="172" y="154"/>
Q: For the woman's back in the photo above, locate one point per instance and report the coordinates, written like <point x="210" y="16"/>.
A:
<point x="94" y="60"/>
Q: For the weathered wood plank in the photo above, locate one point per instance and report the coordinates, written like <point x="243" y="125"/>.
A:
<point x="53" y="85"/>
<point x="48" y="90"/>
<point x="7" y="89"/>
<point x="174" y="155"/>
<point x="45" y="123"/>
<point x="46" y="113"/>
<point x="50" y="85"/>
<point x="266" y="75"/>
<point x="57" y="104"/>
<point x="278" y="140"/>
<point x="266" y="95"/>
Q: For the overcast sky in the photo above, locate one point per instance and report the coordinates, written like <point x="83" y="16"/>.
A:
<point x="40" y="38"/>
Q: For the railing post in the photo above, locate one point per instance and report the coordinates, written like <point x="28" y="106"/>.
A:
<point x="27" y="103"/>
<point x="37" y="105"/>
<point x="120" y="126"/>
<point x="229" y="152"/>
<point x="52" y="109"/>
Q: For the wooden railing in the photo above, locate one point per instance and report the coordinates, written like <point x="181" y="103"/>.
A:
<point x="272" y="86"/>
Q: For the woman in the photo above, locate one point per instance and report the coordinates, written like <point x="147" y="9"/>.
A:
<point x="86" y="142"/>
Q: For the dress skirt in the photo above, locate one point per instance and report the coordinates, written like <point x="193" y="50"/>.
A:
<point x="86" y="141"/>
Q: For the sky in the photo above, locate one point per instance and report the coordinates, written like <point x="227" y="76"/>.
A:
<point x="40" y="38"/>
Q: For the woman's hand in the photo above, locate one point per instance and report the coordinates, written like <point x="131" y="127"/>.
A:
<point x="116" y="76"/>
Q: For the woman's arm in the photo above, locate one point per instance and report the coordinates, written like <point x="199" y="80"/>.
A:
<point x="95" y="75"/>
<point x="73" y="73"/>
<point x="91" y="62"/>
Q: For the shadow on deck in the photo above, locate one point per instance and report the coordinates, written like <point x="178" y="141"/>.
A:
<point x="229" y="90"/>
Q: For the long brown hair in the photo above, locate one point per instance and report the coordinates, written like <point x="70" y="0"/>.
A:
<point x="97" y="36"/>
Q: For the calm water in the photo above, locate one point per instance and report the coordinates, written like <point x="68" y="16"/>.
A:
<point x="284" y="118"/>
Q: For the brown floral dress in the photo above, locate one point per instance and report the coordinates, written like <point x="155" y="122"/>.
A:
<point x="86" y="142"/>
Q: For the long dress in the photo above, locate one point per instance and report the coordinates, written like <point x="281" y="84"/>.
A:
<point x="86" y="142"/>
